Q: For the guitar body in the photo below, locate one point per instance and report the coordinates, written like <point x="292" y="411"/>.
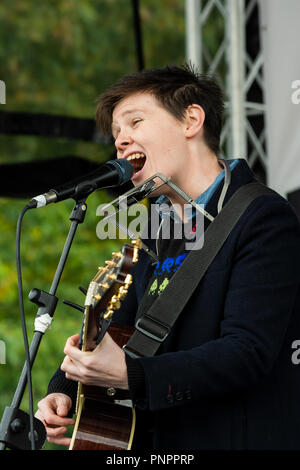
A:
<point x="105" y="421"/>
<point x="105" y="417"/>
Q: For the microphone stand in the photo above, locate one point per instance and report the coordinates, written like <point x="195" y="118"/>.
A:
<point x="15" y="424"/>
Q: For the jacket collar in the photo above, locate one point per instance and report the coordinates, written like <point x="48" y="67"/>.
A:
<point x="241" y="175"/>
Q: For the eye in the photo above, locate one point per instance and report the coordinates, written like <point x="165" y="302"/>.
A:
<point x="136" y="121"/>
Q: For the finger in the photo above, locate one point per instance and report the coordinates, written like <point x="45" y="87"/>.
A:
<point x="55" y="431"/>
<point x="63" y="410"/>
<point x="70" y="368"/>
<point x="56" y="434"/>
<point x="54" y="420"/>
<point x="71" y="347"/>
<point x="63" y="441"/>
<point x="74" y="340"/>
<point x="48" y="416"/>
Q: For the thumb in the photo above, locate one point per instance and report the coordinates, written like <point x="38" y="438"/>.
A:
<point x="62" y="409"/>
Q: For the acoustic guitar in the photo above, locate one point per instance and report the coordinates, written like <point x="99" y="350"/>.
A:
<point x="105" y="417"/>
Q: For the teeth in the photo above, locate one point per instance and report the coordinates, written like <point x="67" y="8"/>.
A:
<point x="134" y="156"/>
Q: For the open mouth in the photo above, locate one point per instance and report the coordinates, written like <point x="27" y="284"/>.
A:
<point x="137" y="160"/>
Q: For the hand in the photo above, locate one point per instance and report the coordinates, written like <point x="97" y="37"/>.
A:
<point x="105" y="366"/>
<point x="52" y="411"/>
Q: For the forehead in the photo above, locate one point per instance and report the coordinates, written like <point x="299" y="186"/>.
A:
<point x="144" y="102"/>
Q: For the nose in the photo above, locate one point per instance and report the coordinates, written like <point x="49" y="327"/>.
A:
<point x="123" y="140"/>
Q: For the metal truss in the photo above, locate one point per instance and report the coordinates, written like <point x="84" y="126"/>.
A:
<point x="222" y="38"/>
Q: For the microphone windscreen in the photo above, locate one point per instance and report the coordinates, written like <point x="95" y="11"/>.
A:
<point x="124" y="168"/>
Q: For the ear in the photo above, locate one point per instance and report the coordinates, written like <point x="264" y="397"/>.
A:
<point x="194" y="120"/>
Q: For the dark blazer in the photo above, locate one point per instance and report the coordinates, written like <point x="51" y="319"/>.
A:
<point x="224" y="378"/>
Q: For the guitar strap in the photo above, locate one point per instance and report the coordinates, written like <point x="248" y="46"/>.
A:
<point x="153" y="327"/>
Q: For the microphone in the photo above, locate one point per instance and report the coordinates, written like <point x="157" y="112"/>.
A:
<point x="111" y="173"/>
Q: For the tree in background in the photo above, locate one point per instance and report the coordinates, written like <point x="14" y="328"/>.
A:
<point x="56" y="57"/>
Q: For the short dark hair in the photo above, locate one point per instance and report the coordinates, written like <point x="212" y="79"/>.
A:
<point x="175" y="88"/>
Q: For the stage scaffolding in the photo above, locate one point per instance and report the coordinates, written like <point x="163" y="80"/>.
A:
<point x="222" y="38"/>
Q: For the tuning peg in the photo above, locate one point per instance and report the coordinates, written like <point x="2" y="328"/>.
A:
<point x="108" y="314"/>
<point x="110" y="263"/>
<point x="128" y="280"/>
<point x="83" y="290"/>
<point x="122" y="292"/>
<point x="97" y="297"/>
<point x="115" y="302"/>
<point x="104" y="286"/>
<point x="71" y="304"/>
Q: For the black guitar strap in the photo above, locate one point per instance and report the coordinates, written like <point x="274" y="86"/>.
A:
<point x="153" y="327"/>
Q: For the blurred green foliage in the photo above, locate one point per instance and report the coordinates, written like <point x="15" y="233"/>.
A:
<point x="57" y="57"/>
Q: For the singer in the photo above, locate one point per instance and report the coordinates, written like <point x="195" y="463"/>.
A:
<point x="223" y="379"/>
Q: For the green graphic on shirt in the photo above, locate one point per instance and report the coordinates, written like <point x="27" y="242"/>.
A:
<point x="153" y="288"/>
<point x="163" y="285"/>
<point x="156" y="289"/>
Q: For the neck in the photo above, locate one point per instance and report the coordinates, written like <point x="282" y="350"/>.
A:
<point x="197" y="177"/>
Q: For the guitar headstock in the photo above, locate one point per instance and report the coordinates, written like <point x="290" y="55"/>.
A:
<point x="110" y="285"/>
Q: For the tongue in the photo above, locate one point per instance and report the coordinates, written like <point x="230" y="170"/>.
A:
<point x="138" y="164"/>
